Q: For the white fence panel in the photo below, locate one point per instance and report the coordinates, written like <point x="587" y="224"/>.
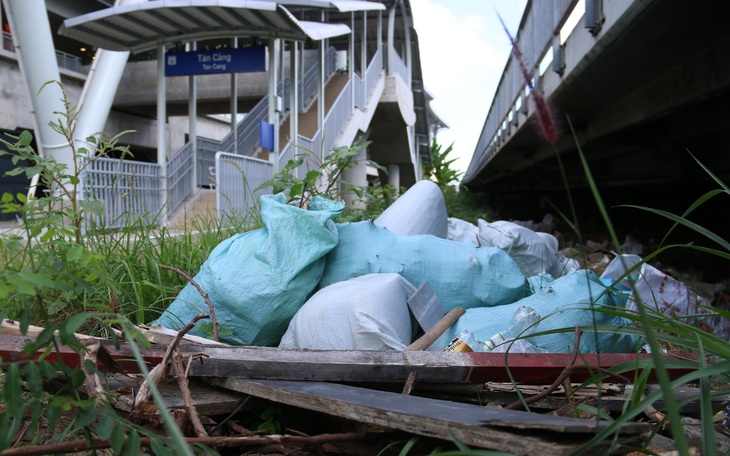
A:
<point x="129" y="191"/>
<point x="238" y="177"/>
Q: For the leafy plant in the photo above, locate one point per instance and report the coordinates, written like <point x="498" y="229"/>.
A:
<point x="321" y="177"/>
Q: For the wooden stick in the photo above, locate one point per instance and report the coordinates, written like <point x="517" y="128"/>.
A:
<point x="202" y="293"/>
<point x="182" y="381"/>
<point x="84" y="445"/>
<point x="426" y="340"/>
<point x="158" y="372"/>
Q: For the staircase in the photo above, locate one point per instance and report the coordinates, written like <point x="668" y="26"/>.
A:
<point x="197" y="214"/>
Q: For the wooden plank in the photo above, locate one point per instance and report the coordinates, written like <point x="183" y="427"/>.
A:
<point x="474" y="425"/>
<point x="355" y="366"/>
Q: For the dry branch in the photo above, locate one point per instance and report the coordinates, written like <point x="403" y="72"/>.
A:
<point x="158" y="372"/>
<point x="202" y="293"/>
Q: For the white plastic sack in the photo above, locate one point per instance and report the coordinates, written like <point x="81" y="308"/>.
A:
<point x="256" y="281"/>
<point x="666" y="295"/>
<point x="461" y="274"/>
<point x="461" y="230"/>
<point x="535" y="253"/>
<point x="420" y="210"/>
<point x="364" y="313"/>
<point x="569" y="300"/>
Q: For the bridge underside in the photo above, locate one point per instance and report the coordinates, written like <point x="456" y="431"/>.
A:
<point x="658" y="92"/>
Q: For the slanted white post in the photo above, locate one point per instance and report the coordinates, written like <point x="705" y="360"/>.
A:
<point x="161" y="130"/>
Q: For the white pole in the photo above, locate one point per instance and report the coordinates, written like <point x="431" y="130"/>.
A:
<point x="193" y="120"/>
<point x="351" y="59"/>
<point x="234" y="103"/>
<point x="161" y="130"/>
<point x="294" y="96"/>
<point x="273" y="62"/>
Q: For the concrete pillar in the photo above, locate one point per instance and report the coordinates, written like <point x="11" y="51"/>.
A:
<point x="394" y="176"/>
<point x="37" y="62"/>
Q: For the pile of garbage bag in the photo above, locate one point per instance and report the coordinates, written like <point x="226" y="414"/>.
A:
<point x="304" y="281"/>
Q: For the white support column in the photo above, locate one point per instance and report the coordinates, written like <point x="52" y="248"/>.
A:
<point x="34" y="49"/>
<point x="320" y="99"/>
<point x="294" y="95"/>
<point x="394" y="176"/>
<point x="234" y="103"/>
<point x="364" y="47"/>
<point x="391" y="39"/>
<point x="162" y="130"/>
<point x="273" y="98"/>
<point x="351" y="59"/>
<point x="380" y="32"/>
<point x="409" y="54"/>
<point x="193" y="120"/>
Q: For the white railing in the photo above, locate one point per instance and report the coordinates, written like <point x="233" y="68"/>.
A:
<point x="239" y="176"/>
<point x="236" y="195"/>
<point x="373" y="73"/>
<point x="129" y="191"/>
<point x="207" y="149"/>
<point x="400" y="68"/>
<point x="538" y="28"/>
<point x="337" y="116"/>
<point x="180" y="177"/>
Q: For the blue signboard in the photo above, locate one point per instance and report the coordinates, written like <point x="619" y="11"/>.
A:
<point x="237" y="60"/>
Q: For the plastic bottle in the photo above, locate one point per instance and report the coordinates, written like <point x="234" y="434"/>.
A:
<point x="464" y="342"/>
<point x="524" y="318"/>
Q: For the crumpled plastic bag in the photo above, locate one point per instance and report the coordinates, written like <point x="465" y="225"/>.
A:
<point x="257" y="280"/>
<point x="364" y="313"/>
<point x="420" y="210"/>
<point x="665" y="294"/>
<point x="461" y="230"/>
<point x="575" y="298"/>
<point x="461" y="274"/>
<point x="534" y="252"/>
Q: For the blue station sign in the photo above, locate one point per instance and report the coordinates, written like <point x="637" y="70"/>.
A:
<point x="236" y="60"/>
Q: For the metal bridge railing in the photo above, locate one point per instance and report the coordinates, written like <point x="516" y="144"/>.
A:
<point x="538" y="28"/>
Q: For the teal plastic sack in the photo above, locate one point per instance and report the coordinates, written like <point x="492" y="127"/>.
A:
<point x="258" y="280"/>
<point x="574" y="298"/>
<point x="461" y="274"/>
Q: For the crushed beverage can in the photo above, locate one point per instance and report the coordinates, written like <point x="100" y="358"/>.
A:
<point x="458" y="345"/>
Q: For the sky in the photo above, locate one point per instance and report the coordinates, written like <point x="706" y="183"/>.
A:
<point x="464" y="50"/>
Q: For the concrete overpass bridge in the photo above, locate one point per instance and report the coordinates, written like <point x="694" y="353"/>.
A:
<point x="643" y="82"/>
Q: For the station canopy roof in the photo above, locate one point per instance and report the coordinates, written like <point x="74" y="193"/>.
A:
<point x="140" y="27"/>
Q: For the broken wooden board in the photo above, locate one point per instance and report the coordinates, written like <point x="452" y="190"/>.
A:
<point x="485" y="427"/>
<point x="208" y="400"/>
<point x="359" y="366"/>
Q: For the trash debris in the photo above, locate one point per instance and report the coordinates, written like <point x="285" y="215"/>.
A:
<point x="577" y="298"/>
<point x="534" y="252"/>
<point x="420" y="210"/>
<point x="363" y="313"/>
<point x="462" y="231"/>
<point x="524" y="323"/>
<point x="461" y="274"/>
<point x="259" y="279"/>
<point x="665" y="294"/>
